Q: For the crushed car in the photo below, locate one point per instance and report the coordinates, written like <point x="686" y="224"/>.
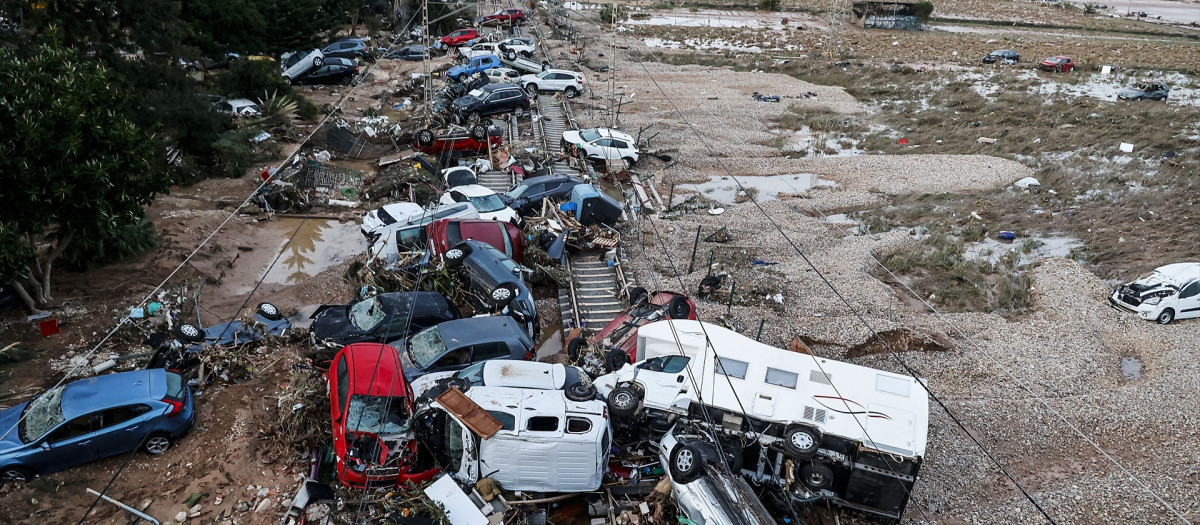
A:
<point x="296" y="63"/>
<point x="705" y="481"/>
<point x="475" y="140"/>
<point x="1002" y="56"/>
<point x="858" y="446"/>
<point x="616" y="343"/>
<point x="600" y="144"/>
<point x="407" y="235"/>
<point x="511" y="374"/>
<point x="1154" y="90"/>
<point x="502" y="235"/>
<point x="496" y="282"/>
<point x="382" y="318"/>
<point x="1058" y="64"/>
<point x="1165" y="294"/>
<point x="454" y="345"/>
<point x="372" y="407"/>
<point x="181" y="348"/>
<point x="526" y="196"/>
<point x="485" y="201"/>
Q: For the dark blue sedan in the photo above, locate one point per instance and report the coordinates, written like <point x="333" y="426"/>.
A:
<point x="91" y="419"/>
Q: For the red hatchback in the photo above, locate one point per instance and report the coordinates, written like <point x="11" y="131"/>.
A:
<point x="618" y="340"/>
<point x="426" y="141"/>
<point x="502" y="235"/>
<point x="372" y="407"/>
<point x="1058" y="64"/>
<point x="461" y="36"/>
<point x="505" y="15"/>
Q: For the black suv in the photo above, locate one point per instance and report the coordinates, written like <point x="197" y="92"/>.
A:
<point x="526" y="196"/>
<point x="492" y="99"/>
<point x="347" y="48"/>
<point x="453" y="345"/>
<point x="495" y="282"/>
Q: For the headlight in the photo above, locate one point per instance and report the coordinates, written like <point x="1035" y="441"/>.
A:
<point x="1153" y="300"/>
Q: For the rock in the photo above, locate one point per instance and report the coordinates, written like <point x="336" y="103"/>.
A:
<point x="181" y="517"/>
<point x="264" y="492"/>
<point x="195" y="508"/>
<point x="263" y="505"/>
<point x="242" y="506"/>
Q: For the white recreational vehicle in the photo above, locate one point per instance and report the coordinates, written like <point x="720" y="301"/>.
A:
<point x="851" y="434"/>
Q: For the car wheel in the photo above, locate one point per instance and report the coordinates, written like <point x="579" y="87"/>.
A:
<point x="510" y="55"/>
<point x="425" y="137"/>
<point x="532" y="89"/>
<point x="733" y="456"/>
<point x="270" y="311"/>
<point x="457" y="382"/>
<point x="1166" y="316"/>
<point x="581" y="391"/>
<point x="527" y="54"/>
<point x="816" y="476"/>
<point x="479" y="132"/>
<point x="623" y="401"/>
<point x="629" y="161"/>
<point x="519" y="111"/>
<point x="571" y="92"/>
<point x="801" y="442"/>
<point x="637" y="295"/>
<point x="462" y="77"/>
<point x="456" y="255"/>
<point x="157" y="443"/>
<point x="15" y="475"/>
<point x="287" y="80"/>
<point x="575" y="347"/>
<point x="190" y="333"/>
<point x="678" y="308"/>
<point x="686" y="463"/>
<point x="503" y="294"/>
<point x="616" y="359"/>
<point x="317" y="61"/>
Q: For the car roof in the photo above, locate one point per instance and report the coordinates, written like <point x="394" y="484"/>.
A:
<point x="402" y="211"/>
<point x="501" y="87"/>
<point x="474" y="190"/>
<point x="474" y="330"/>
<point x="528" y="402"/>
<point x="543" y="178"/>
<point x="241" y="102"/>
<point x="375" y="370"/>
<point x="1180" y="272"/>
<point x="548" y="70"/>
<point x="524" y="374"/>
<point x="108" y="391"/>
<point x="612" y="133"/>
<point x="426" y="301"/>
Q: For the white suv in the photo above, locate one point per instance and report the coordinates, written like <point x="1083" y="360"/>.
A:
<point x="601" y="144"/>
<point x="484" y="200"/>
<point x="503" y="75"/>
<point x="296" y="63"/>
<point x="569" y="82"/>
<point x="517" y="46"/>
<point x="1165" y="294"/>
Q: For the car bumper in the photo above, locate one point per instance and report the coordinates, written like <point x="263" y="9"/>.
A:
<point x="1145" y="311"/>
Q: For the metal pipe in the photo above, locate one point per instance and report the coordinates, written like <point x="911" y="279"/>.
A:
<point x="127" y="508"/>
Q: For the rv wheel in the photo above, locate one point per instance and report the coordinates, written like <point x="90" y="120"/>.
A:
<point x="678" y="308"/>
<point x="686" y="463"/>
<point x="801" y="442"/>
<point x="623" y="401"/>
<point x="581" y="391"/>
<point x="816" y="476"/>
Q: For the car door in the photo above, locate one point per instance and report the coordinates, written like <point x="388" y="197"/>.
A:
<point x="603" y="149"/>
<point x="531" y="196"/>
<point x="456" y="359"/>
<point x="1189" y="301"/>
<point x="68" y="445"/>
<point x="121" y="429"/>
<point x="664" y="379"/>
<point x="620" y="149"/>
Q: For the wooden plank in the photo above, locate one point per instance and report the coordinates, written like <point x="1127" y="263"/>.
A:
<point x="471" y="414"/>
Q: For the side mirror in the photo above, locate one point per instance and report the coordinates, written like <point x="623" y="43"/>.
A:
<point x="45" y="445"/>
<point x="678" y="379"/>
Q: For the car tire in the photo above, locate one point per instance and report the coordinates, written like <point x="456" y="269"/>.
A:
<point x="457" y="382"/>
<point x="527" y="54"/>
<point x="816" y="476"/>
<point x="455" y="256"/>
<point x="638" y="295"/>
<point x="287" y="80"/>
<point x="510" y="55"/>
<point x="519" y="111"/>
<point x="801" y="442"/>
<point x="474" y="118"/>
<point x="1165" y="316"/>
<point x="581" y="391"/>
<point x="15" y="475"/>
<point x="575" y="347"/>
<point x="624" y="401"/>
<point x="269" y="311"/>
<point x="733" y="457"/>
<point x="425" y="137"/>
<point x="479" y="132"/>
<point x="686" y="463"/>
<point x="616" y="359"/>
<point x="629" y="161"/>
<point x="318" y="61"/>
<point x="503" y="294"/>
<point x="571" y="92"/>
<point x="189" y="333"/>
<point x="462" y="78"/>
<point x="678" y="308"/>
<point x="532" y="89"/>
<point x="157" y="443"/>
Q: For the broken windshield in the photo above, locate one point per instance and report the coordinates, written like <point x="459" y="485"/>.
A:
<point x="365" y="315"/>
<point x="487" y="203"/>
<point x="377" y="415"/>
<point x="426" y="346"/>
<point x="42" y="414"/>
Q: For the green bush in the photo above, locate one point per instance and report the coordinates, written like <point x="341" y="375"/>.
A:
<point x="234" y="152"/>
<point x="768" y="5"/>
<point x="612" y="13"/>
<point x="250" y="79"/>
<point x="924" y="11"/>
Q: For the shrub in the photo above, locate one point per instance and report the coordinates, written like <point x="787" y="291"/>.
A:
<point x="250" y="79"/>
<point x="924" y="10"/>
<point x="768" y="5"/>
<point x="612" y="13"/>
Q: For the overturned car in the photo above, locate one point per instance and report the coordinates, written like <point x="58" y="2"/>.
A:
<point x="1163" y="295"/>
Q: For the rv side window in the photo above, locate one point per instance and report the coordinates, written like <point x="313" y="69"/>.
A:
<point x="578" y="425"/>
<point x="732" y="367"/>
<point x="542" y="424"/>
<point x="507" y="421"/>
<point x="782" y="378"/>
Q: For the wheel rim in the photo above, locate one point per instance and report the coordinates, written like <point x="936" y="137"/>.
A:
<point x="802" y="440"/>
<point x="1164" y="317"/>
<point x="269" y="309"/>
<point x="158" y="445"/>
<point x="623" y="400"/>
<point x="519" y="111"/>
<point x="454" y="253"/>
<point x="685" y="460"/>
<point x="816" y="479"/>
<point x="189" y="330"/>
<point x="501" y="294"/>
<point x="13" y="475"/>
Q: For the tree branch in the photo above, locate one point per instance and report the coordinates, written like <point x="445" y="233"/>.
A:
<point x="24" y="295"/>
<point x="58" y="250"/>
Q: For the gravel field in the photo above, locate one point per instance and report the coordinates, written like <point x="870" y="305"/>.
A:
<point x="1006" y="379"/>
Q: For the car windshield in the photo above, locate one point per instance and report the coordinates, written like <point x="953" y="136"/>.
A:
<point x="377" y="415"/>
<point x="365" y="315"/>
<point x="589" y="135"/>
<point x="487" y="203"/>
<point x="476" y="93"/>
<point x="473" y="374"/>
<point x="516" y="191"/>
<point x="545" y="74"/>
<point x="42" y="414"/>
<point x="425" y="347"/>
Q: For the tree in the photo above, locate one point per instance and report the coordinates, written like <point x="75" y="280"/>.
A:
<point x="75" y="167"/>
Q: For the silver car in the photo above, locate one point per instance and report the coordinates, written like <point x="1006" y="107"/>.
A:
<point x="296" y="63"/>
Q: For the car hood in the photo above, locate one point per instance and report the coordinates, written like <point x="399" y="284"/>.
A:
<point x="8" y="419"/>
<point x="333" y="324"/>
<point x="466" y="101"/>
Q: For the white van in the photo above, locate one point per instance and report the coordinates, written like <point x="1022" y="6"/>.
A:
<point x="853" y="434"/>
<point x="407" y="234"/>
<point x="546" y="442"/>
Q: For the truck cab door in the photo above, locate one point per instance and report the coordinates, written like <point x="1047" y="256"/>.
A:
<point x="664" y="379"/>
<point x="1189" y="301"/>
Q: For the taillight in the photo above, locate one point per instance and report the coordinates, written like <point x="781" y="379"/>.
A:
<point x="176" y="407"/>
<point x="529" y="355"/>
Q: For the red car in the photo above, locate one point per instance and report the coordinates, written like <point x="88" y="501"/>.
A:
<point x="427" y="141"/>
<point x="619" y="338"/>
<point x="1057" y="63"/>
<point x="372" y="407"/>
<point x="505" y="15"/>
<point x="502" y="235"/>
<point x="459" y="37"/>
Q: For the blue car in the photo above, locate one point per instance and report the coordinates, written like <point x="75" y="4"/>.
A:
<point x="474" y="65"/>
<point x="90" y="419"/>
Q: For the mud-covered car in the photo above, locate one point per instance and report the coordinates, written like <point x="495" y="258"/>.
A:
<point x="372" y="406"/>
<point x="1145" y="90"/>
<point x="1163" y="295"/>
<point x="616" y="344"/>
<point x="382" y="318"/>
<point x="1002" y="56"/>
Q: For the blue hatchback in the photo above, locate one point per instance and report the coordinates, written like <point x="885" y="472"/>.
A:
<point x="94" y="418"/>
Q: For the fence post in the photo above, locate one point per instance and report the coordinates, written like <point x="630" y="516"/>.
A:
<point x="761" y="322"/>
<point x="695" y="245"/>
<point x="732" y="289"/>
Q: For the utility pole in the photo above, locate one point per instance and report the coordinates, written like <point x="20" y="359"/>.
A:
<point x="425" y="44"/>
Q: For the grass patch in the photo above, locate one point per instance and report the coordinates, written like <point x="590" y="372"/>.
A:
<point x="15" y="354"/>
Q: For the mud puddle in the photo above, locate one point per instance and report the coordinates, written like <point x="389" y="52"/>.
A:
<point x="726" y="190"/>
<point x="317" y="246"/>
<point x="1131" y="368"/>
<point x="1030" y="249"/>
